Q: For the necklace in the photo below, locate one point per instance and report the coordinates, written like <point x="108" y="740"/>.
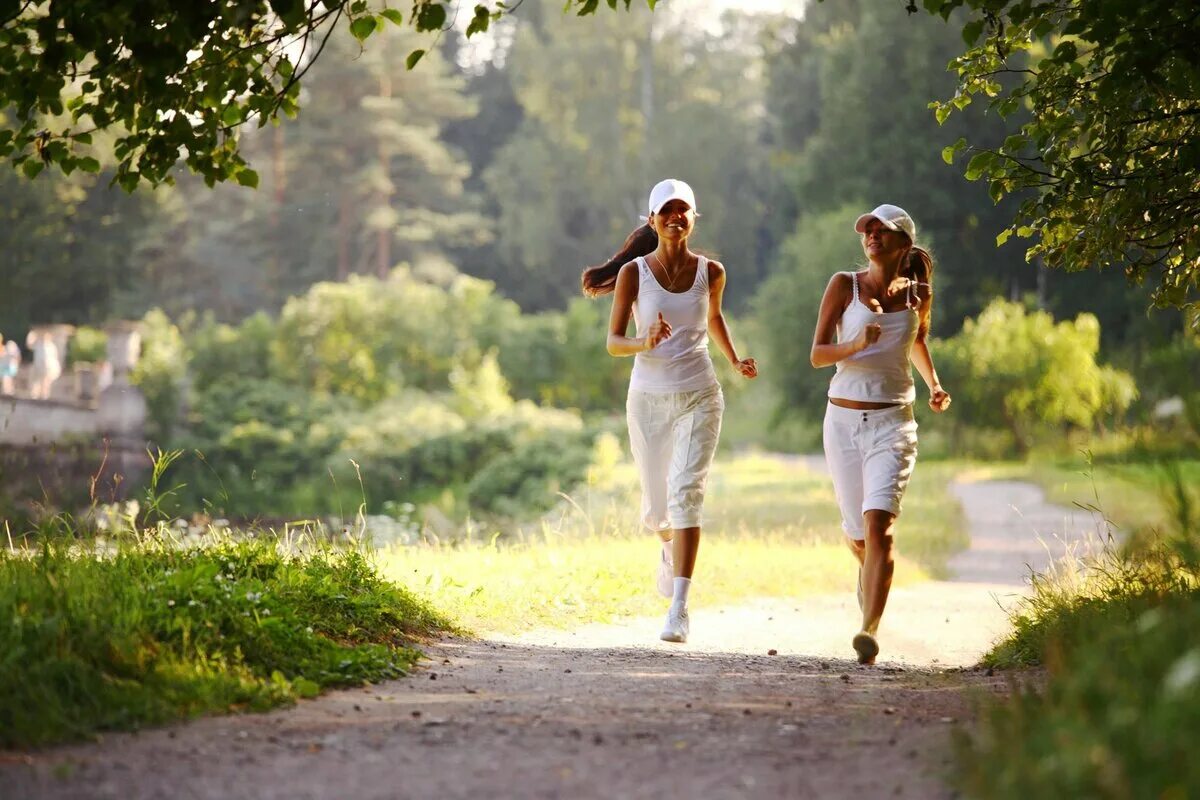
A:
<point x="671" y="278"/>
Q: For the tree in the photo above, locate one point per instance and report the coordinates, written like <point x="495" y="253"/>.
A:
<point x="570" y="184"/>
<point x="177" y="79"/>
<point x="1112" y="90"/>
<point x="787" y="303"/>
<point x="850" y="85"/>
<point x="1019" y="371"/>
<point x="65" y="249"/>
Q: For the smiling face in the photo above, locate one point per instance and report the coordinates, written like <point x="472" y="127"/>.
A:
<point x="881" y="243"/>
<point x="674" y="220"/>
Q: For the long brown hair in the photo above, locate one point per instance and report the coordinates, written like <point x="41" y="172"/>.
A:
<point x="918" y="267"/>
<point x="602" y="279"/>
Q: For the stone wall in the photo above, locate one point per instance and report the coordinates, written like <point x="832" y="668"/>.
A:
<point x="82" y="441"/>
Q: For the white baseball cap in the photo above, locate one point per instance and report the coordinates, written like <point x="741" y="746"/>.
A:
<point x="893" y="218"/>
<point x="668" y="190"/>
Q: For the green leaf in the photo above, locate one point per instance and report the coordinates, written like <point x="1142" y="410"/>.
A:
<point x="1002" y="237"/>
<point x="89" y="164"/>
<point x="413" y="58"/>
<point x="979" y="165"/>
<point x="942" y="112"/>
<point x="362" y="27"/>
<point x="1007" y="106"/>
<point x="971" y="31"/>
<point x="32" y="167"/>
<point x="479" y="22"/>
<point x="247" y="177"/>
<point x="290" y="11"/>
<point x="231" y="116"/>
<point x="431" y="17"/>
<point x="1065" y="52"/>
<point x="393" y="15"/>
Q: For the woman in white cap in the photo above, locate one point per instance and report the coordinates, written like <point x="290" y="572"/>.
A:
<point x="881" y="319"/>
<point x="675" y="403"/>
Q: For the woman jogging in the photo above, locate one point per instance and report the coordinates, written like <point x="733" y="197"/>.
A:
<point x="675" y="403"/>
<point x="881" y="317"/>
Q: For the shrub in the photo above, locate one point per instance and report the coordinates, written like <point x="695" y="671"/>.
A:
<point x="1021" y="372"/>
<point x="530" y="478"/>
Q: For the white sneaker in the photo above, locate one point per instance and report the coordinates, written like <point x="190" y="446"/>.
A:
<point x="666" y="574"/>
<point x="676" y="629"/>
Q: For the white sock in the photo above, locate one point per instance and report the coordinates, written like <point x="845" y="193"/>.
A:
<point x="679" y="598"/>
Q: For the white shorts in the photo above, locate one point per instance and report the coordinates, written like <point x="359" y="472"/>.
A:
<point x="871" y="456"/>
<point x="673" y="437"/>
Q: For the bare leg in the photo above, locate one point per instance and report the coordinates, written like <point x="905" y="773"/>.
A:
<point x="878" y="566"/>
<point x="858" y="548"/>
<point x="685" y="546"/>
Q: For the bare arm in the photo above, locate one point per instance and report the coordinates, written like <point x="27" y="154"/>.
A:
<point x="718" y="328"/>
<point x="939" y="399"/>
<point x="824" y="352"/>
<point x="622" y="308"/>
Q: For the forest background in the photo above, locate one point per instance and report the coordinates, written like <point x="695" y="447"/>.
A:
<point x="392" y="319"/>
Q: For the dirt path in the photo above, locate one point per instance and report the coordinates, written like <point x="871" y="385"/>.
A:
<point x="610" y="712"/>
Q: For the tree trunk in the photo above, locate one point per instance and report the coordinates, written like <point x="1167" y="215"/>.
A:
<point x="383" y="250"/>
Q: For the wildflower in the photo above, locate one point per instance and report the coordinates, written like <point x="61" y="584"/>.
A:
<point x="170" y="602"/>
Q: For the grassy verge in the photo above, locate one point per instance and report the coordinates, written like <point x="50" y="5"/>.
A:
<point x="1120" y="707"/>
<point x="92" y="642"/>
<point x="1133" y="495"/>
<point x="771" y="529"/>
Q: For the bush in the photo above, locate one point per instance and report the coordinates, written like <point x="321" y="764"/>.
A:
<point x="87" y="346"/>
<point x="251" y="440"/>
<point x="1023" y="372"/>
<point x="529" y="479"/>
<point x="160" y="374"/>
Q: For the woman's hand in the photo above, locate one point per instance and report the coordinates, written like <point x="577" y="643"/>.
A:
<point x="660" y="330"/>
<point x="869" y="336"/>
<point x="939" y="398"/>
<point x="748" y="367"/>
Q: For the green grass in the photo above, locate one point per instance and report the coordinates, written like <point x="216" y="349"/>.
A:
<point x="771" y="529"/>
<point x="93" y="641"/>
<point x="1119" y="710"/>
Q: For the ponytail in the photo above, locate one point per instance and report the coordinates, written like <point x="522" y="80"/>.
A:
<point x="602" y="279"/>
<point x="918" y="267"/>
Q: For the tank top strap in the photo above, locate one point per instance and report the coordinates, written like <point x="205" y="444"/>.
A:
<point x="854" y="281"/>
<point x="643" y="268"/>
<point x="702" y="273"/>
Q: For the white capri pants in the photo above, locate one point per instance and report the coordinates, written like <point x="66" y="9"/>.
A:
<point x="673" y="437"/>
<point x="871" y="454"/>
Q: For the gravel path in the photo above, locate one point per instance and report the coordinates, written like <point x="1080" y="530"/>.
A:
<point x="762" y="702"/>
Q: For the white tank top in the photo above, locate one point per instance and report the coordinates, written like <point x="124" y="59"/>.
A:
<point x="680" y="363"/>
<point x="881" y="373"/>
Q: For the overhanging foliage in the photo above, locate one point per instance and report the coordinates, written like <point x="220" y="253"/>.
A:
<point x="1111" y="90"/>
<point x="176" y="80"/>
